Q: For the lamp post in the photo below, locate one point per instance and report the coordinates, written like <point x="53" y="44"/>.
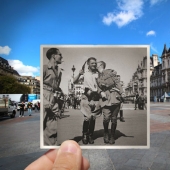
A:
<point x="73" y="69"/>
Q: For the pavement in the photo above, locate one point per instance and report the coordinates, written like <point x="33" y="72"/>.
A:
<point x="20" y="143"/>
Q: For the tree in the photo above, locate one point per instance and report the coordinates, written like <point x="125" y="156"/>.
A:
<point x="10" y="85"/>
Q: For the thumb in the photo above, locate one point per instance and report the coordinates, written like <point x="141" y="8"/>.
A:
<point x="69" y="157"/>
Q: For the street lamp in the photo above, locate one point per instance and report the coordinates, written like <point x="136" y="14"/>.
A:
<point x="73" y="69"/>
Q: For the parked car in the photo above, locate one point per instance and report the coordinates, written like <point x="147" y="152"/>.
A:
<point x="34" y="102"/>
<point x="7" y="108"/>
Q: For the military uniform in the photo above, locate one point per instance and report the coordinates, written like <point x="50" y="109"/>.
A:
<point x="51" y="92"/>
<point x="110" y="84"/>
<point x="86" y="108"/>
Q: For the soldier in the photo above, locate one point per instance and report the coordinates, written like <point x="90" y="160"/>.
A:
<point x="90" y="88"/>
<point x="51" y="92"/>
<point x="111" y="92"/>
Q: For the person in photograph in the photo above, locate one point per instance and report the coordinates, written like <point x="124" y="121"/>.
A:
<point x="136" y="100"/>
<point x="29" y="106"/>
<point x="51" y="93"/>
<point x="22" y="108"/>
<point x="121" y="108"/>
<point x="111" y="92"/>
<point x="141" y="102"/>
<point x="90" y="93"/>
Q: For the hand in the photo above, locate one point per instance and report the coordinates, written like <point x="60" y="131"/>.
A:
<point x="67" y="157"/>
<point x="123" y="95"/>
<point x="81" y="72"/>
<point x="103" y="94"/>
<point x="89" y="92"/>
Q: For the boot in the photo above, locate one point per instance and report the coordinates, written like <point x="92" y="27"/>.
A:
<point x="106" y="132"/>
<point x="91" y="130"/>
<point x="121" y="116"/>
<point x="85" y="138"/>
<point x="113" y="129"/>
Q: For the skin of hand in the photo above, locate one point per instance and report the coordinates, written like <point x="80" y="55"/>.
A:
<point x="103" y="94"/>
<point x="123" y="95"/>
<point x="89" y="92"/>
<point x="81" y="72"/>
<point x="67" y="157"/>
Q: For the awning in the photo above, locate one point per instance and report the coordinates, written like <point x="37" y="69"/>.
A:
<point x="165" y="95"/>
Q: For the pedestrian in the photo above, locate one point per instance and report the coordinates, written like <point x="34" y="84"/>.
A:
<point x="22" y="108"/>
<point x="90" y="93"/>
<point x="29" y="106"/>
<point x="121" y="112"/>
<point x="111" y="92"/>
<point x="141" y="102"/>
<point x="136" y="100"/>
<point x="38" y="104"/>
<point x="51" y="92"/>
<point x="75" y="102"/>
<point x="35" y="107"/>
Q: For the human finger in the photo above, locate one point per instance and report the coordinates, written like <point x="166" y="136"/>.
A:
<point x="69" y="157"/>
<point x="45" y="162"/>
<point x="85" y="164"/>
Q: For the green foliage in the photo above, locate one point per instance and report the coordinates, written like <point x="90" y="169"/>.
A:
<point x="10" y="85"/>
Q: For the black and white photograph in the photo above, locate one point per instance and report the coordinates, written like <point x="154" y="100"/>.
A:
<point x="96" y="95"/>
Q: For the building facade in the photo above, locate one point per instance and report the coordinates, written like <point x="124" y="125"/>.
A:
<point x="6" y="69"/>
<point x="76" y="89"/>
<point x="160" y="77"/>
<point x="31" y="82"/>
<point x="138" y="82"/>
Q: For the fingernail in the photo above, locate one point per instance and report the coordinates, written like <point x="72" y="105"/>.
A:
<point x="71" y="148"/>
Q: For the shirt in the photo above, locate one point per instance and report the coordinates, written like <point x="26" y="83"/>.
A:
<point x="52" y="76"/>
<point x="90" y="80"/>
<point x="22" y="106"/>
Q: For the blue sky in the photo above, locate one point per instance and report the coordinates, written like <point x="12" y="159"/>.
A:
<point x="27" y="24"/>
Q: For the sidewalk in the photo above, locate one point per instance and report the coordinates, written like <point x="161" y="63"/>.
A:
<point x="155" y="158"/>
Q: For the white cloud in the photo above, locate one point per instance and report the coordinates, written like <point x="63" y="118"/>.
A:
<point x="128" y="11"/>
<point x="153" y="48"/>
<point x="150" y="33"/>
<point x="5" y="50"/>
<point x="153" y="2"/>
<point x="24" y="70"/>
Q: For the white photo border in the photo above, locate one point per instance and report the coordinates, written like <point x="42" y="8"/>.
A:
<point x="97" y="46"/>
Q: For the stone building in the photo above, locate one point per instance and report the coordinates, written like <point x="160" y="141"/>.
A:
<point x="160" y="77"/>
<point x="6" y="69"/>
<point x="76" y="89"/>
<point x="138" y="82"/>
<point x="31" y="82"/>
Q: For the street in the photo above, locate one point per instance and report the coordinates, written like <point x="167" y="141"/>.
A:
<point x="131" y="132"/>
<point x="20" y="140"/>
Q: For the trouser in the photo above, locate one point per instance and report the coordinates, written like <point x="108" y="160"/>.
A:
<point x="89" y="119"/>
<point x="111" y="113"/>
<point x="86" y="108"/>
<point x="29" y="111"/>
<point x="136" y="105"/>
<point x="50" y="110"/>
<point x="21" y="112"/>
